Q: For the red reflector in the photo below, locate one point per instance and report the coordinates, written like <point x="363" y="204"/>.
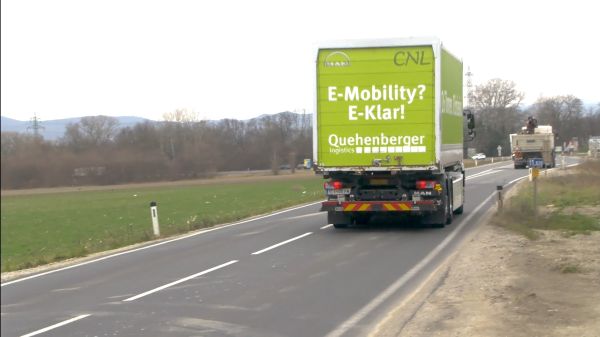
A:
<point x="425" y="184"/>
<point x="333" y="185"/>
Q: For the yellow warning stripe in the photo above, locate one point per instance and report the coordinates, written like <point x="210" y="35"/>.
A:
<point x="404" y="207"/>
<point x="389" y="207"/>
<point x="358" y="207"/>
<point x="396" y="207"/>
<point x="364" y="207"/>
<point x="349" y="207"/>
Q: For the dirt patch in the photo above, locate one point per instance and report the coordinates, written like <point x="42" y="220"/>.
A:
<point x="502" y="284"/>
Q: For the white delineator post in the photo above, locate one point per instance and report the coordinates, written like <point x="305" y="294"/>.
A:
<point x="500" y="200"/>
<point x="154" y="215"/>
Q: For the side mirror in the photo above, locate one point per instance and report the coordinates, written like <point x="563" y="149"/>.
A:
<point x="470" y="120"/>
<point x="470" y="123"/>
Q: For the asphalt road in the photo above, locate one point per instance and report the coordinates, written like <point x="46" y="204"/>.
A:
<point x="285" y="274"/>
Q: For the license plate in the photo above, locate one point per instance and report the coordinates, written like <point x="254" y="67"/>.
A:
<point x="378" y="182"/>
<point x="337" y="192"/>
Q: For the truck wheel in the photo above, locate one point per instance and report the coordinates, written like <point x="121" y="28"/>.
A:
<point x="460" y="210"/>
<point x="338" y="219"/>
<point x="361" y="218"/>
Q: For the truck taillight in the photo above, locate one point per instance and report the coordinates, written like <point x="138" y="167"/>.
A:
<point x="333" y="185"/>
<point x="425" y="184"/>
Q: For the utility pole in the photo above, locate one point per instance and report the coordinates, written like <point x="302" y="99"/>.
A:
<point x="36" y="126"/>
<point x="469" y="76"/>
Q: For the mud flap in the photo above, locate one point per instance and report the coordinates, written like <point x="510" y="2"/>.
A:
<point x="439" y="218"/>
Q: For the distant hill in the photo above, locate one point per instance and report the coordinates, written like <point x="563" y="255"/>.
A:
<point x="55" y="129"/>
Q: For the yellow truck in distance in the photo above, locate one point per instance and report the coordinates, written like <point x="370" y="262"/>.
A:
<point x="538" y="144"/>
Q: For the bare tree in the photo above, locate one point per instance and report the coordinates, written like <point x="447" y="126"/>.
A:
<point x="99" y="129"/>
<point x="181" y="116"/>
<point x="564" y="113"/>
<point x="496" y="104"/>
<point x="496" y="94"/>
<point x="91" y="131"/>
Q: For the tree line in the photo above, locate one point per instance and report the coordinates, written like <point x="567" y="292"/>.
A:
<point x="96" y="151"/>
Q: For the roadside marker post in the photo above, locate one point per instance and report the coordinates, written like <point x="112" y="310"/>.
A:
<point x="534" y="172"/>
<point x="500" y="200"/>
<point x="535" y="190"/>
<point x="154" y="215"/>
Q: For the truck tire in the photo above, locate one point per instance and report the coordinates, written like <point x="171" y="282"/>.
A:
<point x="460" y="210"/>
<point x="361" y="218"/>
<point x="338" y="219"/>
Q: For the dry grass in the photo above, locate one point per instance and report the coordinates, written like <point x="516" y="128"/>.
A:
<point x="569" y="203"/>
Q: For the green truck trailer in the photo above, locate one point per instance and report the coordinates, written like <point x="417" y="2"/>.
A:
<point x="388" y="133"/>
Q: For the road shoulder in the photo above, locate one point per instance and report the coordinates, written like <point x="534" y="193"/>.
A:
<point x="503" y="284"/>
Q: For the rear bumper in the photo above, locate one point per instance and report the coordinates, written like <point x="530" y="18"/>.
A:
<point x="381" y="206"/>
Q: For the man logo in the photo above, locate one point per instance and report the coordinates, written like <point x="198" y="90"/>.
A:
<point x="337" y="59"/>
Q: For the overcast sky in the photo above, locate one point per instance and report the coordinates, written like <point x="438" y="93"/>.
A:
<point x="241" y="59"/>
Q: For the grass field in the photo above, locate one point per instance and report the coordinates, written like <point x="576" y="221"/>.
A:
<point x="39" y="228"/>
<point x="569" y="203"/>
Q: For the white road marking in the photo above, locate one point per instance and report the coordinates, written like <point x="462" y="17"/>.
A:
<point x="66" y="289"/>
<point x="476" y="174"/>
<point x="56" y="325"/>
<point x="282" y="243"/>
<point x="481" y="174"/>
<point x="387" y="293"/>
<point x="156" y="244"/>
<point x="327" y="226"/>
<point x="515" y="180"/>
<point x="180" y="281"/>
<point x="305" y="216"/>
